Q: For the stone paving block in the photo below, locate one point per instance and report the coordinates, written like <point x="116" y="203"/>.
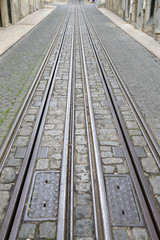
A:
<point x="82" y="177"/>
<point x="84" y="211"/>
<point x="138" y="141"/>
<point x="81" y="168"/>
<point x="8" y="175"/>
<point x="109" y="143"/>
<point x="135" y="133"/>
<point x="14" y="162"/>
<point x="122" y="169"/>
<point x="81" y="149"/>
<point x="80" y="140"/>
<point x="83" y="199"/>
<point x="84" y="238"/>
<point x="55" y="164"/>
<point x="27" y="231"/>
<point x="149" y="165"/>
<point x="155" y="182"/>
<point x="140" y="234"/>
<point x="29" y="118"/>
<point x="112" y="161"/>
<point x="120" y="234"/>
<point x="84" y="228"/>
<point x="5" y="187"/>
<point x="3" y="202"/>
<point x="106" y="154"/>
<point x="21" y="141"/>
<point x="42" y="164"/>
<point x="108" y="169"/>
<point x="82" y="187"/>
<point x="25" y="131"/>
<point x="131" y="125"/>
<point x="47" y="230"/>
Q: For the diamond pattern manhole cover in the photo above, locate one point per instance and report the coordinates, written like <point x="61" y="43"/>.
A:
<point x="123" y="206"/>
<point x="43" y="198"/>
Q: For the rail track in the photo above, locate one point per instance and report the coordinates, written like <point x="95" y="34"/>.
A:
<point x="77" y="173"/>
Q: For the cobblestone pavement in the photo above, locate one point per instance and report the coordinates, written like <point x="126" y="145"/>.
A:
<point x="19" y="65"/>
<point x="139" y="68"/>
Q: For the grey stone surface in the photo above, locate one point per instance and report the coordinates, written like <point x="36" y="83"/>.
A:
<point x="27" y="231"/>
<point x="122" y="168"/>
<point x="47" y="230"/>
<point x="149" y="165"/>
<point x="155" y="182"/>
<point x="19" y="65"/>
<point x="14" y="162"/>
<point x="84" y="228"/>
<point x="3" y="202"/>
<point x="8" y="175"/>
<point x="140" y="234"/>
<point x="108" y="169"/>
<point x="55" y="164"/>
<point x="120" y="234"/>
<point x="112" y="160"/>
<point x="42" y="164"/>
<point x="83" y="199"/>
<point x="83" y="211"/>
<point x="109" y="143"/>
<point x="5" y="187"/>
<point x="84" y="238"/>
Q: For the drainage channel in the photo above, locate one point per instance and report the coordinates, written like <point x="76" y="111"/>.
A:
<point x="145" y="196"/>
<point x="12" y="220"/>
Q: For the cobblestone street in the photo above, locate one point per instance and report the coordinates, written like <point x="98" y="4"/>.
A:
<point x="81" y="159"/>
<point x="19" y="65"/>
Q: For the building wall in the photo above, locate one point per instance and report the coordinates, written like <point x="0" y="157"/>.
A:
<point x="19" y="9"/>
<point x="142" y="14"/>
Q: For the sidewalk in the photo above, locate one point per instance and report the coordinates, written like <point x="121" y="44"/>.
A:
<point x="9" y="36"/>
<point x="145" y="40"/>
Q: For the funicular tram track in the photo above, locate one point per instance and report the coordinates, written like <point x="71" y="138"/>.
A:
<point x="14" y="212"/>
<point x="145" y="196"/>
<point x="66" y="224"/>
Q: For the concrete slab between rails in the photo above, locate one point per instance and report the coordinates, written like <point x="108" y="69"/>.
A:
<point x="145" y="40"/>
<point x="9" y="36"/>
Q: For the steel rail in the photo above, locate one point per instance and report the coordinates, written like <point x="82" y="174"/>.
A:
<point x="62" y="213"/>
<point x="72" y="127"/>
<point x="90" y="153"/>
<point x="96" y="202"/>
<point x="29" y="158"/>
<point x="146" y="199"/>
<point x="148" y="135"/>
<point x="10" y="138"/>
<point x="102" y="195"/>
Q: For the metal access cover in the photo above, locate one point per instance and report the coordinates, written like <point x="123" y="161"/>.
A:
<point x="43" y="152"/>
<point x="123" y="205"/>
<point x="43" y="198"/>
<point x="20" y="153"/>
<point x="140" y="152"/>
<point x="119" y="153"/>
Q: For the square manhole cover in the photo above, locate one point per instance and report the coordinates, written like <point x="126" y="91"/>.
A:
<point x="43" y="198"/>
<point x="123" y="205"/>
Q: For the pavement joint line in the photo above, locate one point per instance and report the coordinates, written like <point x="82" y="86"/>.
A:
<point x="145" y="40"/>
